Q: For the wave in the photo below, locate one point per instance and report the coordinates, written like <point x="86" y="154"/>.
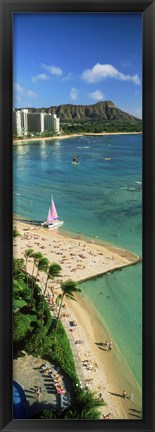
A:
<point x="82" y="147"/>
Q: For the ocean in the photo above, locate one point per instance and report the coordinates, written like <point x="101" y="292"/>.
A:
<point x="101" y="198"/>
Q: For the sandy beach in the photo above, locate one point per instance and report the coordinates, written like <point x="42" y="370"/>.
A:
<point x="81" y="260"/>
<point x="61" y="137"/>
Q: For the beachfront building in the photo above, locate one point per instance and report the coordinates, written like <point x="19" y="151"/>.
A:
<point x="19" y="121"/>
<point x="16" y="123"/>
<point x="25" y="122"/>
<point x="56" y="123"/>
<point x="51" y="123"/>
<point x="35" y="122"/>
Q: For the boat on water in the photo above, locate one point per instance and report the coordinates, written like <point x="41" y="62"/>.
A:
<point x="75" y="160"/>
<point x="107" y="158"/>
<point x="52" y="221"/>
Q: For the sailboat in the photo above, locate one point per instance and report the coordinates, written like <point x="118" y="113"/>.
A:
<point x="52" y="217"/>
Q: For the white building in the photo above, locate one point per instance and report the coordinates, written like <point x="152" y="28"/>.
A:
<point x="25" y="122"/>
<point x="56" y="123"/>
<point x="16" y="123"/>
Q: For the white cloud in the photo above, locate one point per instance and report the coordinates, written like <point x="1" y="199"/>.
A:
<point x="68" y="77"/>
<point x="96" y="95"/>
<point x="18" y="88"/>
<point x="30" y="93"/>
<point x="23" y="91"/>
<point x="74" y="94"/>
<point x="39" y="77"/>
<point x="100" y="72"/>
<point x="54" y="70"/>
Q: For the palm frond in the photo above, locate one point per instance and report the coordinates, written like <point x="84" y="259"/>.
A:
<point x="58" y="299"/>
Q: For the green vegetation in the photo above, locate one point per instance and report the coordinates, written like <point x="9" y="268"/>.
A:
<point x="21" y="326"/>
<point x="53" y="270"/>
<point x="85" y="407"/>
<point x="90" y="126"/>
<point x="101" y="126"/>
<point x="16" y="233"/>
<point x="32" y="134"/>
<point x="40" y="334"/>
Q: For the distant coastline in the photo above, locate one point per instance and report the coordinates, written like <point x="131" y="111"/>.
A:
<point x="61" y="137"/>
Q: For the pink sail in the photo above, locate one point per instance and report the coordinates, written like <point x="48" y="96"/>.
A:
<point x="54" y="212"/>
<point x="49" y="217"/>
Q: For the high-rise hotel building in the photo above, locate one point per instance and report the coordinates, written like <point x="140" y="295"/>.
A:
<point x="25" y="122"/>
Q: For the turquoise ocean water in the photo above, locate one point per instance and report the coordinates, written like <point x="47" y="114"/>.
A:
<point x="100" y="199"/>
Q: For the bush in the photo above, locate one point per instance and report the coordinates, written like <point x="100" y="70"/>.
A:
<point x="46" y="414"/>
<point x="38" y="344"/>
<point x="61" y="353"/>
<point x="21" y="326"/>
<point x="85" y="407"/>
<point x="48" y="317"/>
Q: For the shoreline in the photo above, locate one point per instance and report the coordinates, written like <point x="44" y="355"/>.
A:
<point x="65" y="251"/>
<point x="61" y="137"/>
<point x="109" y="363"/>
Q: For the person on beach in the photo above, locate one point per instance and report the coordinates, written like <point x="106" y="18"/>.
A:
<point x="131" y="397"/>
<point x="110" y="345"/>
<point x="107" y="344"/>
<point x="124" y="394"/>
<point x="107" y="416"/>
<point x="38" y="393"/>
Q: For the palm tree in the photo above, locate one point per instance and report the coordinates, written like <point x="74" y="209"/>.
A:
<point x="28" y="254"/>
<point x="68" y="289"/>
<point x="42" y="265"/>
<point x="36" y="256"/>
<point x="86" y="407"/>
<point x="53" y="271"/>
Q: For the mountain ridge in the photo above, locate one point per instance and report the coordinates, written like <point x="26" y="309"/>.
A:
<point x="103" y="110"/>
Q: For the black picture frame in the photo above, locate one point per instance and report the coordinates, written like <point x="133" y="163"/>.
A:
<point x="147" y="8"/>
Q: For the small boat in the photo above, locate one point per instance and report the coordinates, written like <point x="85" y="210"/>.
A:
<point x="75" y="159"/>
<point x="107" y="158"/>
<point x="52" y="218"/>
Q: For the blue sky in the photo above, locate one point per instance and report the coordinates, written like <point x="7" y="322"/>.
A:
<point x="77" y="58"/>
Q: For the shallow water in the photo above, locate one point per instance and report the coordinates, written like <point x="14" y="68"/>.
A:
<point x="117" y="297"/>
<point x="98" y="198"/>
